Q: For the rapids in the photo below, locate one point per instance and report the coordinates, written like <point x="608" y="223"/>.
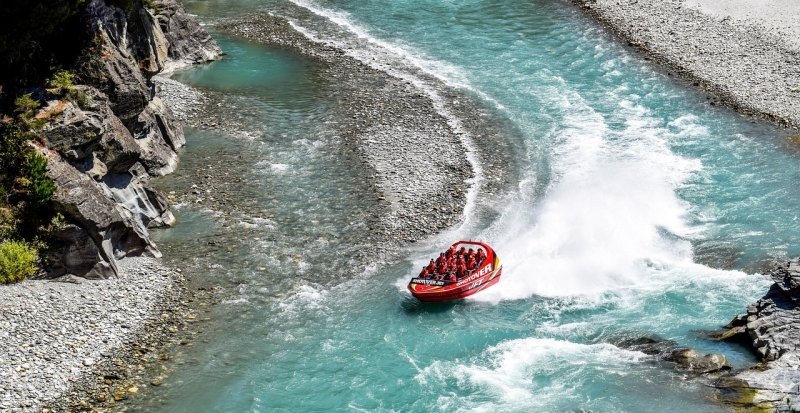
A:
<point x="641" y="209"/>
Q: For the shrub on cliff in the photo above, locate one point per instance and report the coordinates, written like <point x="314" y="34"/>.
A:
<point x="25" y="189"/>
<point x="17" y="261"/>
<point x="38" y="186"/>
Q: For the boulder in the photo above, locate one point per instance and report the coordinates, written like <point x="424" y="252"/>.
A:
<point x="690" y="360"/>
<point x="75" y="252"/>
<point x="682" y="359"/>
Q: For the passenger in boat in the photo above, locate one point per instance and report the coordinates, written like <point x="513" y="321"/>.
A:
<point x="425" y="273"/>
<point x="471" y="263"/>
<point x="453" y="276"/>
<point x="480" y="256"/>
<point x="461" y="271"/>
<point x="441" y="271"/>
<point x="451" y="252"/>
<point x="441" y="260"/>
<point x="431" y="268"/>
<point x="462" y="252"/>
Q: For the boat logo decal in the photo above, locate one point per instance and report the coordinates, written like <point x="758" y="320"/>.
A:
<point x="485" y="270"/>
<point x="427" y="281"/>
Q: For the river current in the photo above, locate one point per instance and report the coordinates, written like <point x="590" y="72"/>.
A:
<point x="642" y="210"/>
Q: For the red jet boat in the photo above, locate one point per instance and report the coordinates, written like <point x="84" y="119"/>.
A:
<point x="484" y="276"/>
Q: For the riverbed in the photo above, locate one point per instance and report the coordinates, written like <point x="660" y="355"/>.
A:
<point x="629" y="206"/>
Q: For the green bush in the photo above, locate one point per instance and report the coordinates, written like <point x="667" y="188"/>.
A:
<point x="17" y="261"/>
<point x="40" y="188"/>
<point x="26" y="106"/>
<point x="62" y="81"/>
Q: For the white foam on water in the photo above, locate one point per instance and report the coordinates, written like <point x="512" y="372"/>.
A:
<point x="611" y="218"/>
<point x="526" y="373"/>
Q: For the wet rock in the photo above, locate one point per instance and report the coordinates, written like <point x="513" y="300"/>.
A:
<point x="693" y="361"/>
<point x="682" y="359"/>
<point x="771" y="328"/>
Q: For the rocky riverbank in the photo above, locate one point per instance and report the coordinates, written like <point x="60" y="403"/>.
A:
<point x="68" y="342"/>
<point x="750" y="66"/>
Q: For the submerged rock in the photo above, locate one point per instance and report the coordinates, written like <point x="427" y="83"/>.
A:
<point x="682" y="359"/>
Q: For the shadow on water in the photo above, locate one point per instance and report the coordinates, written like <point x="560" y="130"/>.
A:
<point x="412" y="306"/>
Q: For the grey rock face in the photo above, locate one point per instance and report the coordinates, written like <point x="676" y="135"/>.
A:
<point x="86" y="136"/>
<point x="114" y="231"/>
<point x="108" y="66"/>
<point x="102" y="153"/>
<point x="188" y="41"/>
<point x="159" y="136"/>
<point x="772" y="324"/>
<point x="771" y="327"/>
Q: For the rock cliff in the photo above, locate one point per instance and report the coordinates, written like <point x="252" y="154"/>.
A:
<point x="104" y="146"/>
<point x="771" y="328"/>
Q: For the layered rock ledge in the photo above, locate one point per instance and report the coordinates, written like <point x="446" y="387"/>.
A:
<point x="771" y="328"/>
<point x="747" y="65"/>
<point x="103" y="147"/>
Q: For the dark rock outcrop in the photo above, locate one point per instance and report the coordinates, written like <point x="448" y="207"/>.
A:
<point x="682" y="359"/>
<point x="104" y="142"/>
<point x="771" y="328"/>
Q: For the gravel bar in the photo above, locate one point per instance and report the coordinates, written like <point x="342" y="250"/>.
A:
<point x="746" y="64"/>
<point x="73" y="342"/>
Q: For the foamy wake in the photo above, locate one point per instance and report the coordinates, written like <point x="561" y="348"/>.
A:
<point x="611" y="217"/>
<point x="525" y="373"/>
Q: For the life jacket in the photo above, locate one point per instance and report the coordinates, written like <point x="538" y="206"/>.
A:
<point x="440" y="260"/>
<point x="471" y="263"/>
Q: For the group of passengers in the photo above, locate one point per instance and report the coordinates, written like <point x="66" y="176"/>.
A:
<point x="454" y="264"/>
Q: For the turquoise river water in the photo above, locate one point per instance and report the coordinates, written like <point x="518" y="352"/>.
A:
<point x="643" y="210"/>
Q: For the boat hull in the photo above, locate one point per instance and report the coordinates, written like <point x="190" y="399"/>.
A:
<point x="485" y="276"/>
